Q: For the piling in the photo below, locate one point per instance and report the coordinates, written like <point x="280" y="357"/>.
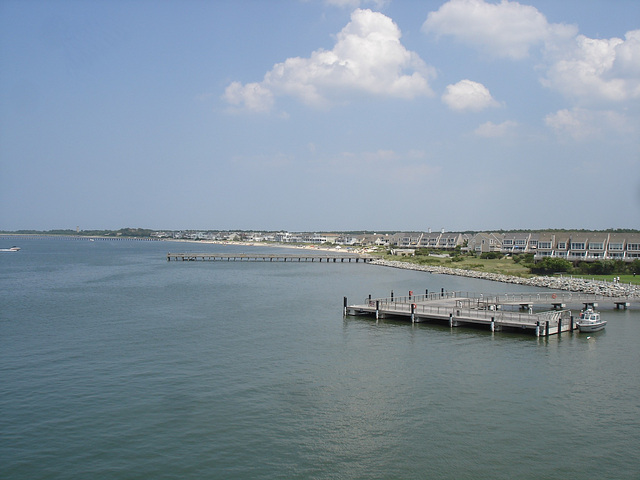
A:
<point x="559" y="325"/>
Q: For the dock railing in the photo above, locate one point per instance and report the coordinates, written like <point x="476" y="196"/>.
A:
<point x="498" y="299"/>
<point x="468" y="307"/>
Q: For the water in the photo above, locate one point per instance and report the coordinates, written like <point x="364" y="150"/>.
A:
<point x="117" y="364"/>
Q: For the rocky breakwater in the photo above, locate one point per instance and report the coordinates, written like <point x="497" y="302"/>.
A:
<point x="582" y="285"/>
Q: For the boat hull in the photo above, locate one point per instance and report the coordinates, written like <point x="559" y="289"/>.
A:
<point x="591" y="327"/>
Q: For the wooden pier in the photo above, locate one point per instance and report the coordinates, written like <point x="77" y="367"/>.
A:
<point x="271" y="257"/>
<point x="497" y="312"/>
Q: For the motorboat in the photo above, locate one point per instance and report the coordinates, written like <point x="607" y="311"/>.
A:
<point x="590" y="321"/>
<point x="12" y="249"/>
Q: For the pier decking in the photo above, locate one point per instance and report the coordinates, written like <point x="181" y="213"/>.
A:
<point x="271" y="257"/>
<point x="494" y="311"/>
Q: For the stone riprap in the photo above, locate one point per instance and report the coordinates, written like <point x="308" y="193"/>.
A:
<point x="608" y="289"/>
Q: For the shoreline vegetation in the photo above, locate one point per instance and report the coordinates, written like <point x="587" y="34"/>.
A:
<point x="501" y="273"/>
<point x="568" y="283"/>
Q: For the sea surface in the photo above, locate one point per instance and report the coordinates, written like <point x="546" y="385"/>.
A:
<point x="116" y="364"/>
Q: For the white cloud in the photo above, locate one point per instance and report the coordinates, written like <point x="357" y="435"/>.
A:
<point x="507" y="29"/>
<point x="252" y="95"/>
<point x="468" y="95"/>
<point x="583" y="69"/>
<point x="583" y="124"/>
<point x="492" y="130"/>
<point x="367" y="57"/>
<point x="598" y="69"/>
<point x="628" y="55"/>
<point x="574" y="123"/>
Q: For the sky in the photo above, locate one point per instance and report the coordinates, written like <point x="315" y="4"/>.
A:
<point x="320" y="115"/>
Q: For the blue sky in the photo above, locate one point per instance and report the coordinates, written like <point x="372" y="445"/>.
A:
<point x="320" y="115"/>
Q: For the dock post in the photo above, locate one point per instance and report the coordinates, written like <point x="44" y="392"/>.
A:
<point x="377" y="309"/>
<point x="493" y="324"/>
<point x="559" y="325"/>
<point x="392" y="295"/>
<point x="426" y="293"/>
<point x="344" y="307"/>
<point x="538" y="328"/>
<point x="442" y="292"/>
<point x="451" y="320"/>
<point x="547" y="328"/>
<point x="571" y="322"/>
<point x="413" y="315"/>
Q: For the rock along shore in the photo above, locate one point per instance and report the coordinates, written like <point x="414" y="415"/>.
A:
<point x="582" y="285"/>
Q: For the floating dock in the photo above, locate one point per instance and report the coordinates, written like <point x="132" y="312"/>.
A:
<point x="271" y="257"/>
<point x="497" y="312"/>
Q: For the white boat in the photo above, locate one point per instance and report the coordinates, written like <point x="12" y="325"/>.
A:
<point x="590" y="321"/>
<point x="12" y="249"/>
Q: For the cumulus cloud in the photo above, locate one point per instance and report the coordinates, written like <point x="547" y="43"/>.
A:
<point x="367" y="57"/>
<point x="598" y="69"/>
<point x="582" y="124"/>
<point x="507" y="29"/>
<point x="583" y="69"/>
<point x="468" y="95"/>
<point x="253" y="96"/>
<point x="492" y="130"/>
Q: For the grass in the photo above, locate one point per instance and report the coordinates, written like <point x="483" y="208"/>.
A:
<point x="504" y="266"/>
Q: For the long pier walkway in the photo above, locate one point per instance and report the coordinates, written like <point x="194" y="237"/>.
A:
<point x="270" y="257"/>
<point x="494" y="311"/>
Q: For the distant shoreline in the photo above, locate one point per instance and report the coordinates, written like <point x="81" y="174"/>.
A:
<point x="567" y="283"/>
<point x="183" y="240"/>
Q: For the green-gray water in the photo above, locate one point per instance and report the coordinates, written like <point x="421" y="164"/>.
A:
<point x="116" y="364"/>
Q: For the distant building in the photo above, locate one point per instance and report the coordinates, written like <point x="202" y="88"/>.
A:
<point x="589" y="246"/>
<point x="485" y="242"/>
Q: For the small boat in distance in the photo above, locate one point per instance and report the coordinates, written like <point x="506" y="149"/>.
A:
<point x="12" y="249"/>
<point x="590" y="321"/>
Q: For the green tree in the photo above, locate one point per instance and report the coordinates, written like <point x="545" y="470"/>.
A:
<point x="552" y="265"/>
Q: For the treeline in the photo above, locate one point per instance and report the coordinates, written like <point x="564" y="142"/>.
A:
<point x="551" y="265"/>
<point x="123" y="232"/>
